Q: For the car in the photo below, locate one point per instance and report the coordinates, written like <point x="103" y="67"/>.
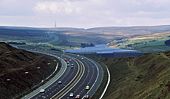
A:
<point x="86" y="97"/>
<point x="71" y="94"/>
<point x="87" y="87"/>
<point x="42" y="90"/>
<point x="78" y="55"/>
<point x="72" y="64"/>
<point x="82" y="58"/>
<point x="77" y="97"/>
<point x="59" y="82"/>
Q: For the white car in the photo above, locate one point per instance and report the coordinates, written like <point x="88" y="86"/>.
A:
<point x="59" y="82"/>
<point x="71" y="94"/>
<point x="77" y="97"/>
<point x="42" y="90"/>
<point x="87" y="87"/>
<point x="86" y="97"/>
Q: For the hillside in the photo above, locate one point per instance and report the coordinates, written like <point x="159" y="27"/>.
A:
<point x="76" y="36"/>
<point x="21" y="70"/>
<point x="145" y="77"/>
<point x="132" y="30"/>
<point x="146" y="43"/>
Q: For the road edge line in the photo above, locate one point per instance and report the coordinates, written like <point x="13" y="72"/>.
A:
<point x="108" y="82"/>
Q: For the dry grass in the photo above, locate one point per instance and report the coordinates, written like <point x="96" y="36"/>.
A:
<point x="146" y="77"/>
<point x="20" y="70"/>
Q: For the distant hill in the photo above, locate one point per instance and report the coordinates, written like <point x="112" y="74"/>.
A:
<point x="22" y="32"/>
<point x="76" y="36"/>
<point x="21" y="70"/>
<point x="133" y="30"/>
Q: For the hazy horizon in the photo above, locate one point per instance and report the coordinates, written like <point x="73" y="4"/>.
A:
<point x="82" y="27"/>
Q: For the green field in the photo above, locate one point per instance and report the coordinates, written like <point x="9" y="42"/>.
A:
<point x="147" y="45"/>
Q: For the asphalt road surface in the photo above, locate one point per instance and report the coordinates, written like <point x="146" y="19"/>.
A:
<point x="74" y="77"/>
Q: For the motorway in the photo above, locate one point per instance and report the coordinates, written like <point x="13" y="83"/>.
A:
<point x="84" y="72"/>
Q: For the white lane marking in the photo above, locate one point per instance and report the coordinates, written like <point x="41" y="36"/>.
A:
<point x="67" y="84"/>
<point x="96" y="78"/>
<point x="59" y="85"/>
<point x="83" y="80"/>
<point x="36" y="91"/>
<point x="53" y="72"/>
<point x="108" y="82"/>
<point x="71" y="81"/>
<point x="89" y="80"/>
<point x="78" y="79"/>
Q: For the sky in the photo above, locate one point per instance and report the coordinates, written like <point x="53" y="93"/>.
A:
<point x="84" y="13"/>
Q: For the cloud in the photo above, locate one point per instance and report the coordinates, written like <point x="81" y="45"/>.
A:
<point x="57" y="7"/>
<point x="84" y="13"/>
